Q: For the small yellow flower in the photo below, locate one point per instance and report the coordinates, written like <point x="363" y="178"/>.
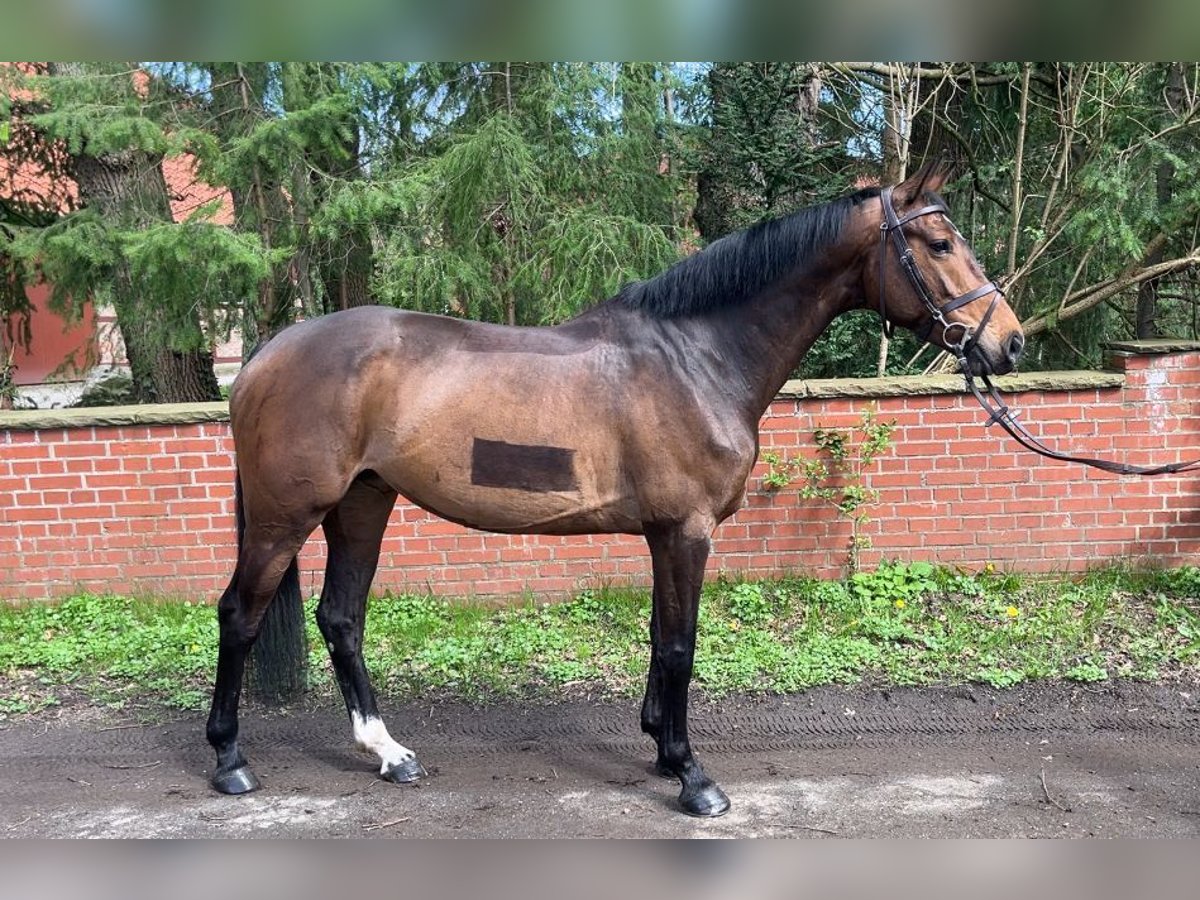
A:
<point x="735" y="625"/>
<point x="900" y="604"/>
<point x="989" y="568"/>
<point x="1013" y="612"/>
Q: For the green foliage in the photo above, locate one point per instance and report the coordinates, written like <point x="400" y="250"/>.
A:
<point x="175" y="287"/>
<point x="780" y="471"/>
<point x="1108" y="165"/>
<point x="893" y="583"/>
<point x="97" y="108"/>
<point x="1087" y="672"/>
<point x="841" y="481"/>
<point x="76" y="255"/>
<point x="497" y="217"/>
<point x="849" y="348"/>
<point x="189" y="268"/>
<point x="1184" y="582"/>
<point x="764" y="154"/>
<point x="585" y="254"/>
<point x="118" y="649"/>
<point x="526" y="191"/>
<point x="115" y="390"/>
<point x="181" y="262"/>
<point x="748" y="603"/>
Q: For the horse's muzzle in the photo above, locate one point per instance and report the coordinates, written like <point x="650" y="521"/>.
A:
<point x="987" y="358"/>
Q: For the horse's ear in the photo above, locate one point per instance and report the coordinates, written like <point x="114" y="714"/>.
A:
<point x="931" y="176"/>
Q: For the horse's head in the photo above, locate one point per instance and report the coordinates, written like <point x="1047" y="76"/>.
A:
<point x="926" y="277"/>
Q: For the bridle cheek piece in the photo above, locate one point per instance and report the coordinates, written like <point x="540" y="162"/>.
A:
<point x="993" y="404"/>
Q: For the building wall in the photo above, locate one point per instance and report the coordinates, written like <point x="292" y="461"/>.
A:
<point x="61" y="351"/>
<point x="139" y="500"/>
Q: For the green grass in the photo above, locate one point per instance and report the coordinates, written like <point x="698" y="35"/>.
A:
<point x="900" y="624"/>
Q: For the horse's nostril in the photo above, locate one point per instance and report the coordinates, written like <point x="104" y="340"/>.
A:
<point x="1016" y="344"/>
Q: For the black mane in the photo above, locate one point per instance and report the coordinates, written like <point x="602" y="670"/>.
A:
<point x="740" y="265"/>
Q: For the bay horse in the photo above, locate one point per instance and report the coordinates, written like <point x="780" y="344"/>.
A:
<point x="639" y="416"/>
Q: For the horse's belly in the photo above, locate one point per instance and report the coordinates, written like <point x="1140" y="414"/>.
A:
<point x="514" y="510"/>
<point x="507" y="486"/>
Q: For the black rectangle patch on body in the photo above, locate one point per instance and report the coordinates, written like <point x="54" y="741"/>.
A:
<point x="523" y="467"/>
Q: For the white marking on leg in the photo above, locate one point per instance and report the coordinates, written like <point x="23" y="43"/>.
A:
<point x="371" y="734"/>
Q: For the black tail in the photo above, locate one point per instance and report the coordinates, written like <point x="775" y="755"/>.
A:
<point x="278" y="670"/>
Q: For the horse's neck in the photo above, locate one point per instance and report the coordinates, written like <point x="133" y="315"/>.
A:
<point x="762" y="341"/>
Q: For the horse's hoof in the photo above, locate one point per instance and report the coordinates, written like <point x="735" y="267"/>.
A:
<point x="236" y="781"/>
<point x="405" y="772"/>
<point x="707" y="802"/>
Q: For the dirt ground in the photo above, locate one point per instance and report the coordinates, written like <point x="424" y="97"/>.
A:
<point x="1049" y="761"/>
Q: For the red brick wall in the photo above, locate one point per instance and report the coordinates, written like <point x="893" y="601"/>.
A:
<point x="147" y="509"/>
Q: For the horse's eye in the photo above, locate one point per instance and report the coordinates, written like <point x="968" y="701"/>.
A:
<point x="940" y="247"/>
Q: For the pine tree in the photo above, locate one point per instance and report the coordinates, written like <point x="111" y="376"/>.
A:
<point x="530" y="197"/>
<point x="772" y="148"/>
<point x="765" y="155"/>
<point x="171" y="284"/>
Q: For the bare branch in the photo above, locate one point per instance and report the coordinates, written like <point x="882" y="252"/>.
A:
<point x="1095" y="294"/>
<point x="964" y="73"/>
<point x="1017" y="187"/>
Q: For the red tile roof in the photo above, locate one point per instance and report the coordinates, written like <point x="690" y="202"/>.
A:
<point x="49" y="187"/>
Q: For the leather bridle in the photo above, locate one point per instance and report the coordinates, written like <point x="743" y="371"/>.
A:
<point x="893" y="226"/>
<point x="993" y="404"/>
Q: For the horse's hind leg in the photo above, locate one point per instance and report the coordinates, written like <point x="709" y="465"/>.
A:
<point x="353" y="530"/>
<point x="679" y="554"/>
<point x="262" y="562"/>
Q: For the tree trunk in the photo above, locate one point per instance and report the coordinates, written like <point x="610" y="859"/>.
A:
<point x="345" y="263"/>
<point x="346" y="274"/>
<point x="1146" y="316"/>
<point x="714" y="199"/>
<point x="895" y="132"/>
<point x="159" y="374"/>
<point x="128" y="189"/>
<point x="276" y="673"/>
<point x="763" y="157"/>
<point x="259" y="203"/>
<point x="897" y="139"/>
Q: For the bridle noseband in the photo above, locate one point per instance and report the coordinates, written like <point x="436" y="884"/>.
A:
<point x="893" y="226"/>
<point x="993" y="404"/>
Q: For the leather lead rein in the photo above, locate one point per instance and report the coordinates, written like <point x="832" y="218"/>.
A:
<point x="1001" y="413"/>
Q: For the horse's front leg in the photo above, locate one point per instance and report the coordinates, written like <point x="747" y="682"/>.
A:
<point x="679" y="553"/>
<point x="652" y="701"/>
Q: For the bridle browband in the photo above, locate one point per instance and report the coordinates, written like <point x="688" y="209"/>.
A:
<point x="992" y="403"/>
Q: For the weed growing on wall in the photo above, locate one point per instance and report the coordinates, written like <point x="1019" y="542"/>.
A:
<point x="838" y="475"/>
